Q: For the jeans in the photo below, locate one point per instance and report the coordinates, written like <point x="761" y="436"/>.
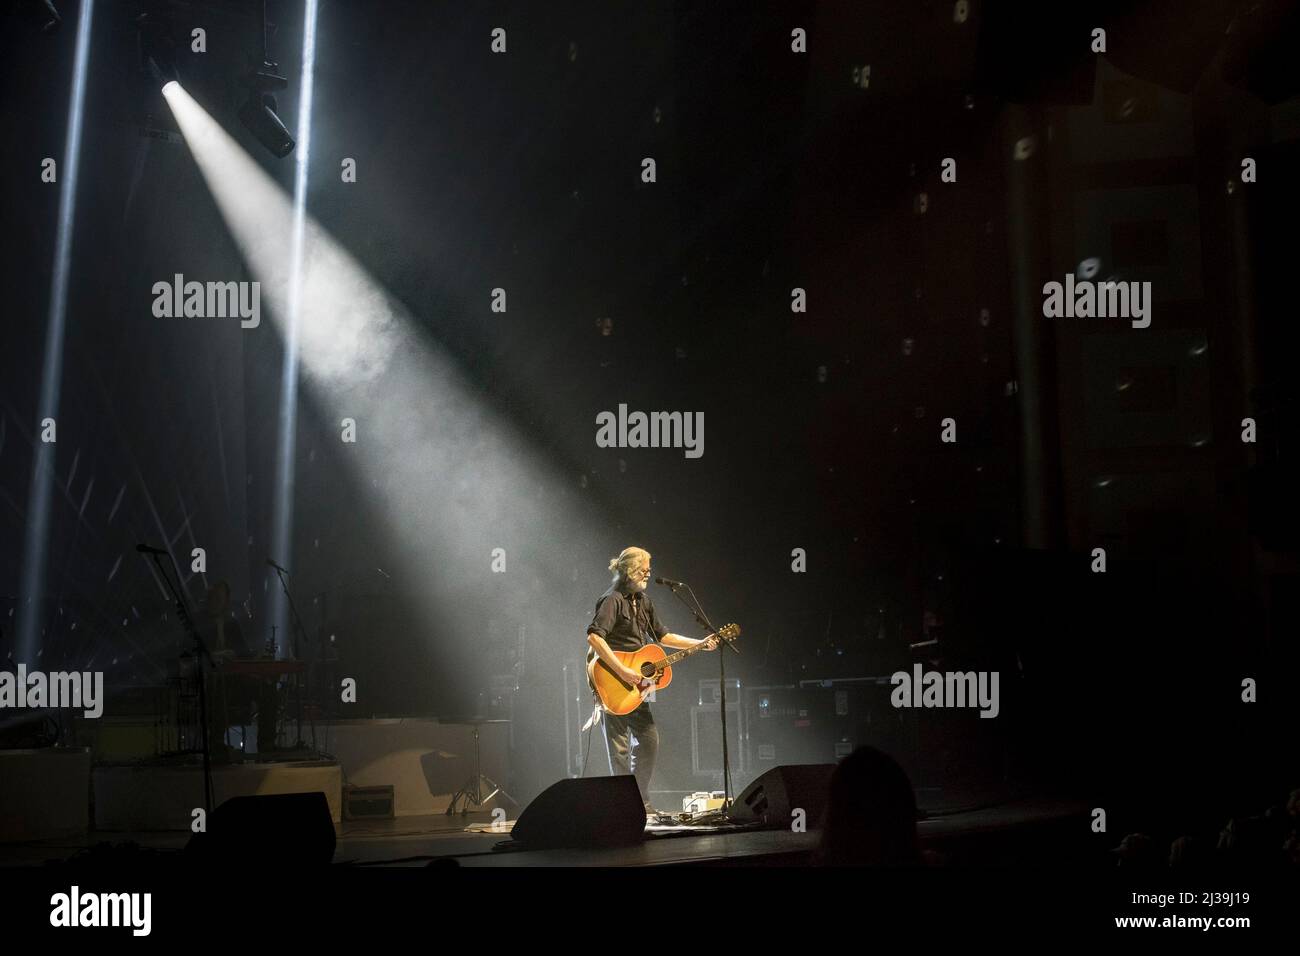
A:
<point x="641" y="761"/>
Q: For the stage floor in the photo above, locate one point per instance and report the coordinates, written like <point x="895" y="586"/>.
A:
<point x="1008" y="833"/>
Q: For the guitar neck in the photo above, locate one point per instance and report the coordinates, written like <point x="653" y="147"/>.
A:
<point x="681" y="655"/>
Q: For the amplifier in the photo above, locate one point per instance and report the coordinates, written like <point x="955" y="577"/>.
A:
<point x="820" y="722"/>
<point x="709" y="692"/>
<point x="706" y="739"/>
<point x="368" y="803"/>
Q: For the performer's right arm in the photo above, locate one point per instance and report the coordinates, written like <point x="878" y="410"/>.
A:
<point x="605" y="654"/>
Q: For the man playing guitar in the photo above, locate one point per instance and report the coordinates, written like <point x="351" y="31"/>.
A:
<point x="626" y="620"/>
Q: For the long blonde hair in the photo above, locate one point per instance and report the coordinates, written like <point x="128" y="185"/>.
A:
<point x="620" y="566"/>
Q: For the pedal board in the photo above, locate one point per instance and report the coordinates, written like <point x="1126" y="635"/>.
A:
<point x="703" y="801"/>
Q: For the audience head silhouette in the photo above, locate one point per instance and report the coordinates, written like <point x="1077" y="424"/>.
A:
<point x="870" y="814"/>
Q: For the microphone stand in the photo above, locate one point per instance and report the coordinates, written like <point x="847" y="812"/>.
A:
<point x="698" y="613"/>
<point x="202" y="654"/>
<point x="297" y="628"/>
<point x="323" y="673"/>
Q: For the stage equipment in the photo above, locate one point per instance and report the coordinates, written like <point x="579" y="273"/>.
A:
<point x="478" y="789"/>
<point x="773" y="797"/>
<point x="280" y="830"/>
<point x="258" y="114"/>
<point x="584" y="813"/>
<point x="368" y="803"/>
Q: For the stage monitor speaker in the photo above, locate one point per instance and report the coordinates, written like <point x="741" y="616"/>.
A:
<point x="585" y="812"/>
<point x="772" y="797"/>
<point x="278" y="829"/>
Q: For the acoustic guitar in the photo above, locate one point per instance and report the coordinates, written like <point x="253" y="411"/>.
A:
<point x="656" y="667"/>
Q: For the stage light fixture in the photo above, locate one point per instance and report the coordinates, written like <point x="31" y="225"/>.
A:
<point x="157" y="48"/>
<point x="43" y="13"/>
<point x="258" y="114"/>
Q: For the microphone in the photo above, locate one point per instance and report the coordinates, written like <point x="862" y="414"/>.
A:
<point x="669" y="584"/>
<point x="276" y="566"/>
<point x="145" y="549"/>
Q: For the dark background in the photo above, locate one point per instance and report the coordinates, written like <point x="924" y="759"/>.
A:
<point x="775" y="171"/>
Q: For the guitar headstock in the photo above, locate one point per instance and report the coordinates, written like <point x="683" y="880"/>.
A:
<point x="729" y="633"/>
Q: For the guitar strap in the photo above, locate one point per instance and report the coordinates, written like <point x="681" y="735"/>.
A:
<point x="597" y="710"/>
<point x="638" y="618"/>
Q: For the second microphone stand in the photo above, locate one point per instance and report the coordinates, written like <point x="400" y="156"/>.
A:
<point x="201" y="655"/>
<point x="297" y="630"/>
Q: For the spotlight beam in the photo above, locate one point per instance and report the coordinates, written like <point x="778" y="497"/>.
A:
<point x="282" y="505"/>
<point x="452" y="480"/>
<point x="36" y="537"/>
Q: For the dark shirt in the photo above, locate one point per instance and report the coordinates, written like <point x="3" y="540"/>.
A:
<point x="234" y="637"/>
<point x="627" y="620"/>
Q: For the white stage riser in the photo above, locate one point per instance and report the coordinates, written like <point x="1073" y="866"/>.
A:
<point x="164" y="798"/>
<point x="425" y="761"/>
